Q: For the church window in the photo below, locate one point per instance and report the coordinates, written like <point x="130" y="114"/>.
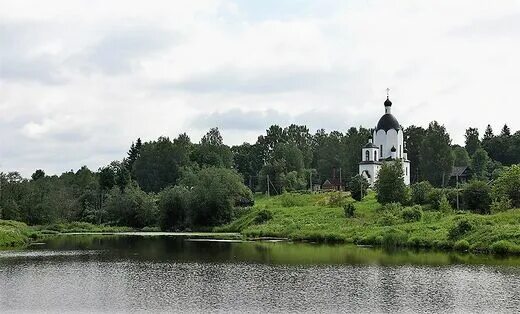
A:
<point x="367" y="155"/>
<point x="375" y="155"/>
<point x="381" y="150"/>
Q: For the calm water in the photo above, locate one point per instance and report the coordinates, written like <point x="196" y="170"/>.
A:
<point x="86" y="273"/>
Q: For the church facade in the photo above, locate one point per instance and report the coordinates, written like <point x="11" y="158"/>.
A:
<point x="387" y="144"/>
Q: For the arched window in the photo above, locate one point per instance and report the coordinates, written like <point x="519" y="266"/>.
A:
<point x="375" y="155"/>
<point x="367" y="155"/>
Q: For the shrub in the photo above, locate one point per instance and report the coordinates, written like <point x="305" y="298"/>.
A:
<point x="392" y="208"/>
<point x="349" y="209"/>
<point x="421" y="192"/>
<point x="508" y="185"/>
<point x="461" y="245"/>
<point x="388" y="219"/>
<point x="505" y="247"/>
<point x="291" y="200"/>
<point x="460" y="228"/>
<point x="444" y="205"/>
<point x="390" y="185"/>
<point x="501" y="205"/>
<point x="336" y="199"/>
<point x="263" y="216"/>
<point x="434" y="198"/>
<point x="173" y="204"/>
<point x="476" y="196"/>
<point x="394" y="238"/>
<point x="358" y="186"/>
<point x="411" y="214"/>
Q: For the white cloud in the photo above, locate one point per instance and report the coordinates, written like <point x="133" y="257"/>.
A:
<point x="79" y="80"/>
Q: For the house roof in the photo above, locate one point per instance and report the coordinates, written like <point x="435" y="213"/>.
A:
<point x="459" y="171"/>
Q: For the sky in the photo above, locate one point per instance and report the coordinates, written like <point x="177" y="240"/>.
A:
<point x="81" y="80"/>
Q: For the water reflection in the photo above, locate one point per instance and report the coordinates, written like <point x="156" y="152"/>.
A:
<point x="132" y="273"/>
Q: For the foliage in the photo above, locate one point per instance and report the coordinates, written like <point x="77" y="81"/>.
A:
<point x="390" y="185"/>
<point x="263" y="216"/>
<point x="500" y="205"/>
<point x="479" y="164"/>
<point x="412" y="214"/>
<point x="174" y="204"/>
<point x="476" y="197"/>
<point x="461" y="245"/>
<point x="460" y="228"/>
<point x="421" y="192"/>
<point x="444" y="205"/>
<point x="291" y="200"/>
<point x="414" y="136"/>
<point x="460" y="156"/>
<point x="336" y="199"/>
<point x="133" y="207"/>
<point x="358" y="186"/>
<point x="436" y="158"/>
<point x="508" y="185"/>
<point x="503" y="247"/>
<point x="472" y="140"/>
<point x="349" y="210"/>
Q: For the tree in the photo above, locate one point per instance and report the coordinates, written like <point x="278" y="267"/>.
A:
<point x="421" y="192"/>
<point x="133" y="154"/>
<point x="215" y="193"/>
<point x="211" y="152"/>
<point x="213" y="137"/>
<point x="472" y="140"/>
<point x="159" y="164"/>
<point x="38" y="174"/>
<point x="436" y="160"/>
<point x="414" y="137"/>
<point x="358" y="186"/>
<point x="506" y="131"/>
<point x="390" y="186"/>
<point x="132" y="207"/>
<point x="460" y="156"/>
<point x="507" y="185"/>
<point x="476" y="197"/>
<point x="174" y="205"/>
<point x="479" y="164"/>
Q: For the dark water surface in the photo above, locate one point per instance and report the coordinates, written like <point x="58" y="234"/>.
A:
<point x="93" y="273"/>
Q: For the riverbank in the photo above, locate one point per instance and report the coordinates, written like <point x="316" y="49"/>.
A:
<point x="321" y="218"/>
<point x="15" y="234"/>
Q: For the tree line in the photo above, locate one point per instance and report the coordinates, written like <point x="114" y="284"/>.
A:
<point x="178" y="184"/>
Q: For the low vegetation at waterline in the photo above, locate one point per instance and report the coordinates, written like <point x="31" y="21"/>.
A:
<point x="322" y="218"/>
<point x="14" y="234"/>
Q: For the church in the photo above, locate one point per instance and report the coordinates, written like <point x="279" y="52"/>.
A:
<point x="387" y="144"/>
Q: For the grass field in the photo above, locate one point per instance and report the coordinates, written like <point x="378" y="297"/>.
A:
<point x="321" y="218"/>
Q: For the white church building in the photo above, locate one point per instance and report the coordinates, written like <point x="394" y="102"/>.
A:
<point x="387" y="144"/>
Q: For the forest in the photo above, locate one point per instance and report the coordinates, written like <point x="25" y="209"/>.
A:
<point x="176" y="184"/>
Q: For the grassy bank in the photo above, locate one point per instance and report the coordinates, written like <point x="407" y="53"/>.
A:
<point x="320" y="218"/>
<point x="15" y="234"/>
<point x="80" y="227"/>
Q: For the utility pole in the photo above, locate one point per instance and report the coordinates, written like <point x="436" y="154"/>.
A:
<point x="457" y="178"/>
<point x="268" y="194"/>
<point x="340" y="180"/>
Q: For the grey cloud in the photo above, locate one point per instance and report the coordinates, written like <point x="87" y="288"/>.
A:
<point x="116" y="53"/>
<point x="281" y="80"/>
<point x="17" y="40"/>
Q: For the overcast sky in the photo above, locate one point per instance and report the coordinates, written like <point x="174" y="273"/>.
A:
<point x="80" y="80"/>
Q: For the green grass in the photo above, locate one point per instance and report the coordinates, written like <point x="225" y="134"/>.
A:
<point x="79" y="227"/>
<point x="312" y="219"/>
<point x="14" y="234"/>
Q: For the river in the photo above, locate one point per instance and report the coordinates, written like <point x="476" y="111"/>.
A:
<point x="173" y="273"/>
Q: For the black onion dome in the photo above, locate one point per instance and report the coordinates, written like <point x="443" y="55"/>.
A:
<point x="388" y="122"/>
<point x="393" y="150"/>
<point x="388" y="103"/>
<point x="370" y="145"/>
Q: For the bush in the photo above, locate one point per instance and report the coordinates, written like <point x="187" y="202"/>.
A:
<point x="460" y="228"/>
<point x="461" y="245"/>
<point x="411" y="214"/>
<point x="503" y="247"/>
<point x="444" y="205"/>
<point x="390" y="185"/>
<point x="337" y="199"/>
<point x="434" y="198"/>
<point x="358" y="186"/>
<point x="394" y="238"/>
<point x="501" y="205"/>
<point x="388" y="219"/>
<point x="349" y="209"/>
<point x="263" y="216"/>
<point x="392" y="208"/>
<point x="508" y="185"/>
<point x="174" y="204"/>
<point x="476" y="196"/>
<point x="421" y="192"/>
<point x="291" y="200"/>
